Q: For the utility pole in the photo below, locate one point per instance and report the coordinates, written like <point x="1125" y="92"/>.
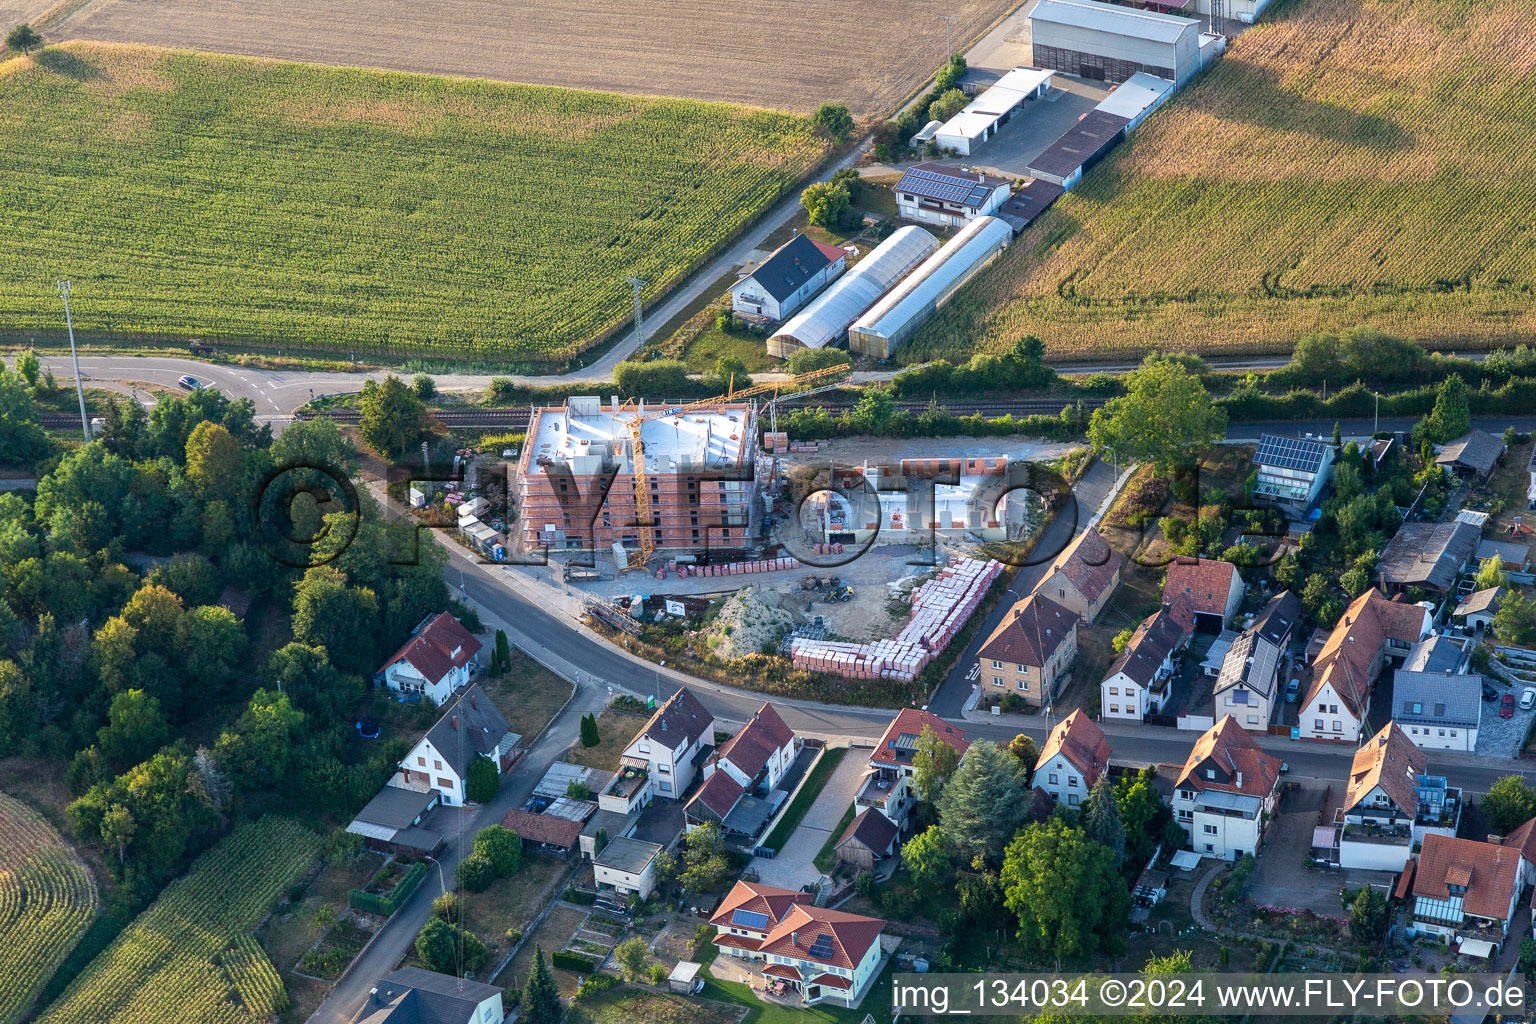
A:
<point x="948" y="45"/>
<point x="85" y="423"/>
<point x="1376" y="426"/>
<point x="637" y="284"/>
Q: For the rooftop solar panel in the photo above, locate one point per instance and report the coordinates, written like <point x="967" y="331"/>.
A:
<point x="822" y="947"/>
<point x="750" y="919"/>
<point x="1289" y="453"/>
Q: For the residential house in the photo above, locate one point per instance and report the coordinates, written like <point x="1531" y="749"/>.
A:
<point x="1371" y="629"/>
<point x="1512" y="556"/>
<point x="663" y="755"/>
<point x="413" y="995"/>
<point x="1248" y="687"/>
<point x="1472" y="456"/>
<point x="948" y="196"/>
<point x="1465" y="890"/>
<point x="1203" y="592"/>
<point x="1139" y="678"/>
<point x="471" y="727"/>
<point x="824" y="955"/>
<point x="1391" y="804"/>
<point x="1225" y="793"/>
<point x="759" y="754"/>
<point x="391" y="823"/>
<point x="1075" y="754"/>
<point x="1439" y="710"/>
<point x="1084" y="575"/>
<point x="1291" y="472"/>
<point x="440" y="657"/>
<point x="627" y="866"/>
<point x="869" y="838"/>
<point x="1530" y="491"/>
<point x="888" y="786"/>
<point x="1477" y="609"/>
<point x="1427" y="556"/>
<point x="544" y="833"/>
<point x="748" y="913"/>
<point x="1030" y="651"/>
<point x="787" y="279"/>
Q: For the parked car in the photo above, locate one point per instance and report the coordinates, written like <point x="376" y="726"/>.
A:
<point x="1528" y="698"/>
<point x="1507" y="706"/>
<point x="189" y="382"/>
<point x="1292" y="691"/>
<point x="1489" y="693"/>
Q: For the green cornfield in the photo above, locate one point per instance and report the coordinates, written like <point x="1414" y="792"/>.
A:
<point x="47" y="901"/>
<point x="189" y="958"/>
<point x="1348" y="162"/>
<point x="301" y="207"/>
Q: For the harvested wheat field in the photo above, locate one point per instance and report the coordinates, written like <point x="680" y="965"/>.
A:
<point x="298" y="206"/>
<point x="770" y="53"/>
<point x="1354" y="162"/>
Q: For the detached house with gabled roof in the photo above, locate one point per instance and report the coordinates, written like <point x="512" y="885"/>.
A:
<point x="1138" y="680"/>
<point x="783" y="282"/>
<point x="1203" y="592"/>
<point x="1391" y="804"/>
<point x="739" y="777"/>
<point x="824" y="955"/>
<point x="665" y="754"/>
<point x="1225" y="793"/>
<point x="1075" y="755"/>
<point x="440" y="657"/>
<point x="1465" y="890"/>
<point x="1249" y="684"/>
<point x="1371" y="630"/>
<point x="471" y="727"/>
<point x="887" y="785"/>
<point x="1084" y="575"/>
<point x="1030" y="651"/>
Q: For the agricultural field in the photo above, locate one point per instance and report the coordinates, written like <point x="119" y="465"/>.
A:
<point x="300" y="207"/>
<point x="190" y="957"/>
<point x="780" y="56"/>
<point x="47" y="901"/>
<point x="1348" y="162"/>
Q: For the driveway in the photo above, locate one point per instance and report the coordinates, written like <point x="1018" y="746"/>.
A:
<point x="1502" y="737"/>
<point x="795" y="864"/>
<point x="1280" y="878"/>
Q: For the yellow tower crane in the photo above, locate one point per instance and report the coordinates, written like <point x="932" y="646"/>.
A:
<point x="638" y="559"/>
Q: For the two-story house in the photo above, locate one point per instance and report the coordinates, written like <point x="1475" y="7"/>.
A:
<point x="1225" y="794"/>
<point x="1371" y="630"/>
<point x="787" y="279"/>
<point x="440" y="657"/>
<point x="1249" y="684"/>
<point x="948" y="196"/>
<point x="748" y="913"/>
<point x="1139" y="679"/>
<point x="1465" y="891"/>
<point x="1084" y="575"/>
<point x="1074" y="756"/>
<point x="1203" y="593"/>
<point x="1030" y="651"/>
<point x="663" y="753"/>
<point x="412" y="995"/>
<point x="739" y="777"/>
<point x="1290" y="472"/>
<point x="887" y="785"/>
<point x="824" y="955"/>
<point x="1391" y="804"/>
<point x="471" y="727"/>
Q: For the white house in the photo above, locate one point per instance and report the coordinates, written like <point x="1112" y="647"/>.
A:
<point x="1226" y="792"/>
<point x="760" y="752"/>
<point x="440" y="657"/>
<point x="665" y="748"/>
<point x="825" y="955"/>
<point x="948" y="196"/>
<point x="1465" y="891"/>
<point x="748" y="913"/>
<point x="787" y="279"/>
<point x="1371" y="629"/>
<point x="471" y="727"/>
<point x="1477" y="609"/>
<point x="1075" y="755"/>
<point x="1390" y="804"/>
<point x="627" y="866"/>
<point x="1291" y="472"/>
<point x="1249" y="684"/>
<point x="1138" y="679"/>
<point x="1438" y="710"/>
<point x="887" y="784"/>
<point x="411" y="995"/>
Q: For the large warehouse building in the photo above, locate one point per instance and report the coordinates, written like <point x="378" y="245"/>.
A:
<point x="576" y="485"/>
<point x="827" y="318"/>
<point x="893" y="318"/>
<point x="1109" y="43"/>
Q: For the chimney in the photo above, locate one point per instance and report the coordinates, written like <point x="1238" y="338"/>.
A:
<point x="455" y="721"/>
<point x="1239" y="780"/>
<point x="794" y="938"/>
<point x="373" y="994"/>
<point x="474" y="702"/>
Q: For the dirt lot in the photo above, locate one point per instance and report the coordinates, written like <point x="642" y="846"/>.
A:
<point x="701" y="49"/>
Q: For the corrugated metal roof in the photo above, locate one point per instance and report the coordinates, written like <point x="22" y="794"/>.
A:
<point x="1120" y="21"/>
<point x="829" y="315"/>
<point x="937" y="276"/>
<point x="1135" y="95"/>
<point x="982" y="112"/>
<point x="1081" y="144"/>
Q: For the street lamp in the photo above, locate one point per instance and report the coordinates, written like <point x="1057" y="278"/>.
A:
<point x="948" y="45"/>
<point x="85" y="423"/>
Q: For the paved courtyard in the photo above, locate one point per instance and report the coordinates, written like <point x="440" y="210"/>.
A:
<point x="1280" y="877"/>
<point x="1503" y="737"/>
<point x="794" y="866"/>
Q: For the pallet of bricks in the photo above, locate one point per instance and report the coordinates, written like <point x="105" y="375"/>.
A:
<point x="737" y="568"/>
<point x="804" y="447"/>
<point x="940" y="609"/>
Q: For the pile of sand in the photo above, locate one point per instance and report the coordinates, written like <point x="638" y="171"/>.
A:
<point x="745" y="624"/>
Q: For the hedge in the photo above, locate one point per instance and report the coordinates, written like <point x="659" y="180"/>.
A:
<point x="386" y="905"/>
<point x="573" y="962"/>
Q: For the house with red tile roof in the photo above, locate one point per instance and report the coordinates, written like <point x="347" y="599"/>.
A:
<point x="1226" y="792"/>
<point x="1204" y="589"/>
<point x="1030" y="651"/>
<point x="1465" y="891"/>
<point x="760" y="752"/>
<point x="440" y="657"/>
<point x="1371" y="630"/>
<point x="824" y="955"/>
<point x="887" y="785"/>
<point x="1391" y="803"/>
<point x="1084" y="575"/>
<point x="1075" y="754"/>
<point x="748" y="913"/>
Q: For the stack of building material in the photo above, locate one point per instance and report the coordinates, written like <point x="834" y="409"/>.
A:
<point x="739" y="568"/>
<point x="776" y="442"/>
<point x="940" y="609"/>
<point x="806" y="447"/>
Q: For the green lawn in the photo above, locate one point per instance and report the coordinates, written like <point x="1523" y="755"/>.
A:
<point x="326" y="209"/>
<point x="813" y="784"/>
<point x="876" y="1002"/>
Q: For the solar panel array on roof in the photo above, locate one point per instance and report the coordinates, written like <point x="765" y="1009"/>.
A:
<point x="821" y="949"/>
<point x="750" y="919"/>
<point x="1289" y="453"/>
<point x="948" y="188"/>
<point x="906" y="741"/>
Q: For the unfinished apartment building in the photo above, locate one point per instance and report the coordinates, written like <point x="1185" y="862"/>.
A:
<point x="577" y="488"/>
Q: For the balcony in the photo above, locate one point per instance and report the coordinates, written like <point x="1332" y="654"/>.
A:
<point x="627" y="792"/>
<point x="877" y="789"/>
